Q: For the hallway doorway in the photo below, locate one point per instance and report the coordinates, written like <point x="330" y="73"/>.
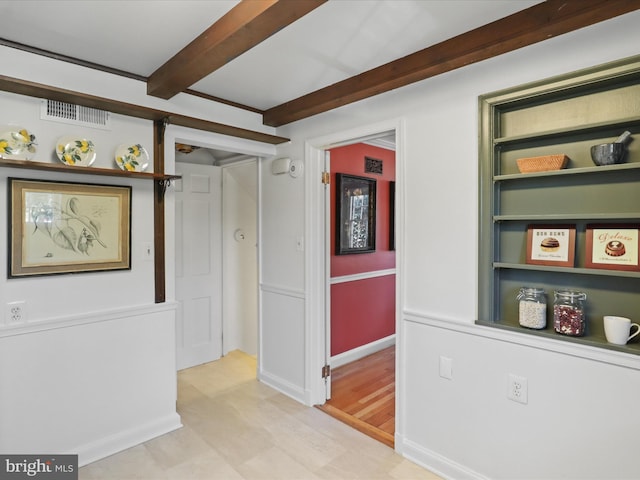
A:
<point x="361" y="311"/>
<point x="216" y="254"/>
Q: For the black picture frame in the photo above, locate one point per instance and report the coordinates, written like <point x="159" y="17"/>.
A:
<point x="355" y="214"/>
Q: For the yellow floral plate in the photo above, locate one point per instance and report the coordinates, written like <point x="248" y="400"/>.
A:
<point x="79" y="152"/>
<point x="132" y="158"/>
<point x="16" y="143"/>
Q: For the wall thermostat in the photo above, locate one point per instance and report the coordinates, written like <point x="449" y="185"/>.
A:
<point x="280" y="165"/>
<point x="295" y="169"/>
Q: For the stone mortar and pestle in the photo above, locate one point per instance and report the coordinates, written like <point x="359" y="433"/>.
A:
<point x="611" y="153"/>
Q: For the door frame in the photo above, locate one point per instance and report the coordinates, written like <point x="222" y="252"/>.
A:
<point x="317" y="274"/>
<point x="177" y="134"/>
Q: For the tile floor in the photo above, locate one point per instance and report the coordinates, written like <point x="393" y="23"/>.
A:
<point x="238" y="428"/>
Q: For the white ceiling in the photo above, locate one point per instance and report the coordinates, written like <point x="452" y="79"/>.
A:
<point x="338" y="40"/>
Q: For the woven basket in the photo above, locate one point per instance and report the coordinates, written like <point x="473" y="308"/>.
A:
<point x="542" y="164"/>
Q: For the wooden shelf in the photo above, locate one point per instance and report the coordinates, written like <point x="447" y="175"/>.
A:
<point x="51" y="167"/>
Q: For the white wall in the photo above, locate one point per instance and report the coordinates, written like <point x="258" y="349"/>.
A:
<point x="578" y="422"/>
<point x="240" y="257"/>
<point x="282" y="292"/>
<point x="93" y="369"/>
<point x="47" y="71"/>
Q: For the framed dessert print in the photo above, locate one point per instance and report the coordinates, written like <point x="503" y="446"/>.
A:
<point x="551" y="245"/>
<point x="612" y="246"/>
<point x="57" y="227"/>
<point x="355" y="214"/>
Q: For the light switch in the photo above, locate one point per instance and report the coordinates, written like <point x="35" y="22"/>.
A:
<point x="446" y="368"/>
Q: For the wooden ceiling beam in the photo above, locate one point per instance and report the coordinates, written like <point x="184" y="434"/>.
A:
<point x="535" y="24"/>
<point x="246" y="25"/>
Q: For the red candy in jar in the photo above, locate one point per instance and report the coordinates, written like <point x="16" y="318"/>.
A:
<point x="568" y="313"/>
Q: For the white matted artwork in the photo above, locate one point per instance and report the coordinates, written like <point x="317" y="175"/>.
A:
<point x="60" y="227"/>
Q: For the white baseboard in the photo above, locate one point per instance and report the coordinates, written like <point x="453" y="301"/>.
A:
<point x="436" y="463"/>
<point x="107" y="446"/>
<point x="362" y="351"/>
<point x="282" y="386"/>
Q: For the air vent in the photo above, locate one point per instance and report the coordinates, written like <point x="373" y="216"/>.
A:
<point x="63" y="112"/>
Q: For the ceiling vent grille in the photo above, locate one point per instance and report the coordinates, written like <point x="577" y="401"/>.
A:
<point x="64" y="112"/>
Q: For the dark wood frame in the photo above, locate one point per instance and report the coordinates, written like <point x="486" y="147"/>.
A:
<point x="591" y="244"/>
<point x="346" y="186"/>
<point x="66" y="238"/>
<point x="566" y="242"/>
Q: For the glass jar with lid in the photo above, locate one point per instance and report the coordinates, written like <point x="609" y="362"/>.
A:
<point x="568" y="312"/>
<point x="532" y="307"/>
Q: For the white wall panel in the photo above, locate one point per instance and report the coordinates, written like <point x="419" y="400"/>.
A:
<point x="282" y="223"/>
<point x="282" y="342"/>
<point x="90" y="385"/>
<point x="576" y="423"/>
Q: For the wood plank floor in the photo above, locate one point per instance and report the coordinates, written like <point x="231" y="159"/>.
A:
<point x="363" y="395"/>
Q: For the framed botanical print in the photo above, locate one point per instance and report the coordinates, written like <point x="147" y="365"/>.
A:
<point x="58" y="227"/>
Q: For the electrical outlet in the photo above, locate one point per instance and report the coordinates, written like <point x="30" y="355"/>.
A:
<point x="16" y="313"/>
<point x="517" y="389"/>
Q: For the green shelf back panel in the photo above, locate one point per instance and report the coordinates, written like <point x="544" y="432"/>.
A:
<point x="596" y="107"/>
<point x="615" y="192"/>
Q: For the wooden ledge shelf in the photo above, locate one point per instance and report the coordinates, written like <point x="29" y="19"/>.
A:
<point x="52" y="167"/>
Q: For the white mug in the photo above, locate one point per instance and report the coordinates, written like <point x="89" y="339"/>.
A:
<point x="618" y="329"/>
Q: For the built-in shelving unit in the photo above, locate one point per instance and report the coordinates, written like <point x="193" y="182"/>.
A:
<point x="563" y="115"/>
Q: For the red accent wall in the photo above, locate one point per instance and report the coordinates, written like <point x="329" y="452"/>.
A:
<point x="363" y="311"/>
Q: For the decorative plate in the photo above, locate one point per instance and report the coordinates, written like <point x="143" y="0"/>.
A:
<point x="78" y="152"/>
<point x="132" y="158"/>
<point x="16" y="143"/>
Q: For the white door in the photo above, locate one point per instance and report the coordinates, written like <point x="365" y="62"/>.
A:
<point x="198" y="265"/>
